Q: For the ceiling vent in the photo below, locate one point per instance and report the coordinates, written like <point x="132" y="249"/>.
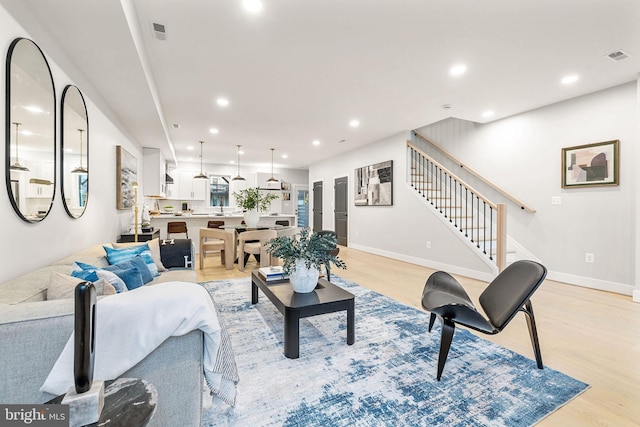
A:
<point x="617" y="56"/>
<point x="159" y="31"/>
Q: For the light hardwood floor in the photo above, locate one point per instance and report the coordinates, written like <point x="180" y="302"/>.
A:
<point x="593" y="336"/>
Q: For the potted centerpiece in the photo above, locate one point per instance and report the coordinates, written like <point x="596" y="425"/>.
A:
<point x="304" y="256"/>
<point x="254" y="202"/>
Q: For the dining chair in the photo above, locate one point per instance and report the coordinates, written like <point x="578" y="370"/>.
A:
<point x="177" y="227"/>
<point x="506" y="295"/>
<point x="256" y="246"/>
<point x="217" y="239"/>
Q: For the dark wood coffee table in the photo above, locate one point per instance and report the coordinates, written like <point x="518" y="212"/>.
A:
<point x="326" y="298"/>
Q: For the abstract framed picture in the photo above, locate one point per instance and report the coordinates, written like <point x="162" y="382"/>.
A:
<point x="126" y="175"/>
<point x="591" y="165"/>
<point x="374" y="185"/>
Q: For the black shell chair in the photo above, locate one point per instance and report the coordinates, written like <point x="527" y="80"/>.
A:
<point x="506" y="295"/>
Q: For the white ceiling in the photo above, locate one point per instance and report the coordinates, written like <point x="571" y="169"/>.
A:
<point x="301" y="70"/>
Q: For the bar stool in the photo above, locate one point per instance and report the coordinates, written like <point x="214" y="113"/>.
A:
<point x="177" y="227"/>
<point x="215" y="224"/>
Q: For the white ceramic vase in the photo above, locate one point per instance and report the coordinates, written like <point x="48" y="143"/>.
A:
<point x="304" y="279"/>
<point x="251" y="218"/>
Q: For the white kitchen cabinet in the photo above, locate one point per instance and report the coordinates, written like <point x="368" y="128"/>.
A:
<point x="189" y="188"/>
<point x="155" y="171"/>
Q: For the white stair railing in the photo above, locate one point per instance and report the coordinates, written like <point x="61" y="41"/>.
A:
<point x="480" y="220"/>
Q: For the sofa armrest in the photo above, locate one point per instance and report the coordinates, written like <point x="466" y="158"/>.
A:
<point x="34" y="334"/>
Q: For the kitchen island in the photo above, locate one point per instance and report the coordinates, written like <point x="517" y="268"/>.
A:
<point x="195" y="221"/>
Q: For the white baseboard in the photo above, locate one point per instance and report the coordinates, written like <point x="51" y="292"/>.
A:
<point x="587" y="282"/>
<point x="452" y="269"/>
<point x="571" y="279"/>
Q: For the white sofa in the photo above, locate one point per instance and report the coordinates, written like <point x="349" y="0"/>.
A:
<point x="34" y="330"/>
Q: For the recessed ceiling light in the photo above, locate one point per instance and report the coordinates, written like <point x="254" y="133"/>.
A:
<point x="189" y="147"/>
<point x="458" y="70"/>
<point x="354" y="123"/>
<point x="253" y="6"/>
<point x="488" y="113"/>
<point x="240" y="152"/>
<point x="231" y="162"/>
<point x="223" y="102"/>
<point x="214" y="131"/>
<point x="567" y="80"/>
<point x="190" y="159"/>
<point x="316" y="142"/>
<point x="284" y="156"/>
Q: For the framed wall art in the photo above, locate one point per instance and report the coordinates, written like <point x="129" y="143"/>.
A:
<point x="126" y="175"/>
<point x="374" y="185"/>
<point x="591" y="164"/>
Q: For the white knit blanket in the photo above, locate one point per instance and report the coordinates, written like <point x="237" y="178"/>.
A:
<point x="131" y="325"/>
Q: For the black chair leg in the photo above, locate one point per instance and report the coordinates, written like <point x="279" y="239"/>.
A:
<point x="432" y="320"/>
<point x="533" y="332"/>
<point x="448" y="328"/>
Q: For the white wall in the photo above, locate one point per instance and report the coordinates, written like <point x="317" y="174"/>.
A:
<point x="28" y="246"/>
<point x="522" y="154"/>
<point x="399" y="231"/>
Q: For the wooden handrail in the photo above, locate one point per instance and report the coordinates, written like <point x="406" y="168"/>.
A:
<point x="476" y="192"/>
<point x="518" y="202"/>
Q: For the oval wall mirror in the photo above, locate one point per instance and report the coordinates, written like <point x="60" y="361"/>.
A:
<point x="30" y="129"/>
<point x="74" y="152"/>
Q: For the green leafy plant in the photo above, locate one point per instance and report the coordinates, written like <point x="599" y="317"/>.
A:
<point x="253" y="199"/>
<point x="315" y="249"/>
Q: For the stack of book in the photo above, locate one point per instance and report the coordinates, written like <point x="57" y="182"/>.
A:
<point x="272" y="273"/>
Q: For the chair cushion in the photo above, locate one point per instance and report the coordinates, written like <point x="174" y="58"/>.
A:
<point x="508" y="292"/>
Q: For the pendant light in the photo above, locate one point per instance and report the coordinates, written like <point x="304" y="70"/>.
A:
<point x="238" y="177"/>
<point x="201" y="175"/>
<point x="17" y="166"/>
<point x="80" y="169"/>
<point x="272" y="179"/>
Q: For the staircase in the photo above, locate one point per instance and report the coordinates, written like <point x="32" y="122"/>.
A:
<point x="478" y="220"/>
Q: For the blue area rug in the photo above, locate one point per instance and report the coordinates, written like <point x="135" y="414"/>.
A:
<point x="387" y="378"/>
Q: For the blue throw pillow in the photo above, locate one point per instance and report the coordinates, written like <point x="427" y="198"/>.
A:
<point x="137" y="262"/>
<point x="89" y="276"/>
<point x="116" y="256"/>
<point x="131" y="277"/>
<point x="109" y="276"/>
<point x="151" y="265"/>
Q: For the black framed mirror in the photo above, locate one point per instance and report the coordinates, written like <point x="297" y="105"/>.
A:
<point x="74" y="151"/>
<point x="30" y="129"/>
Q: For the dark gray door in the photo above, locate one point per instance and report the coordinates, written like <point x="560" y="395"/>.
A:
<point x="341" y="195"/>
<point x="317" y="206"/>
